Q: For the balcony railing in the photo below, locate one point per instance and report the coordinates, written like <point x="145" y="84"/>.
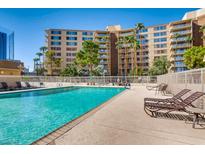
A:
<point x="181" y="32"/>
<point x="184" y="45"/>
<point x="181" y="26"/>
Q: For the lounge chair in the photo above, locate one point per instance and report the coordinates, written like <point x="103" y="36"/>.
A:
<point x="153" y="87"/>
<point x="5" y="86"/>
<point x="177" y="96"/>
<point x="197" y="114"/>
<point x="19" y="86"/>
<point x="158" y="88"/>
<point x="28" y="85"/>
<point x="178" y="105"/>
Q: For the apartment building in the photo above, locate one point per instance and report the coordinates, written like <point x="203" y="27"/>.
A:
<point x="154" y="44"/>
<point x="168" y="40"/>
<point x="66" y="43"/>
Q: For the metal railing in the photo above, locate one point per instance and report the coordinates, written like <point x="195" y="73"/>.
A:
<point x="191" y="79"/>
<point x="96" y="79"/>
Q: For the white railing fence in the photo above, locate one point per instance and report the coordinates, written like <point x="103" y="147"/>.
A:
<point x="191" y="79"/>
<point x="73" y="80"/>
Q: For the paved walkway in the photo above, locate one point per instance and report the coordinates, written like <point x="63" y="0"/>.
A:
<point x="123" y="121"/>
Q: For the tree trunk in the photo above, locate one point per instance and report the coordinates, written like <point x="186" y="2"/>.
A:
<point x="140" y="52"/>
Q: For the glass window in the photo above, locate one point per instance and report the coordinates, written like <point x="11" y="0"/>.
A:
<point x="87" y="33"/>
<point x="55" y="32"/>
<point x="72" y="33"/>
<point x="71" y="43"/>
<point x="55" y="48"/>
<point x="56" y="37"/>
<point x="71" y="49"/>
<point x="160" y="40"/>
<point x="71" y="38"/>
<point x="160" y="45"/>
<point x="87" y="38"/>
<point x="142" y="36"/>
<point x="58" y="54"/>
<point x="160" y="34"/>
<point x="160" y="28"/>
<point x="56" y="43"/>
<point x="143" y="31"/>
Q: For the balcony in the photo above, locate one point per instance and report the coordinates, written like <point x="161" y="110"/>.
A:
<point x="181" y="39"/>
<point x="102" y="46"/>
<point x="178" y="46"/>
<point x="185" y="32"/>
<point x="126" y="34"/>
<point x="102" y="35"/>
<point x="103" y="56"/>
<point x="181" y="26"/>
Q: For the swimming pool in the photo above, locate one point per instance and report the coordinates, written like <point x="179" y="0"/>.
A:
<point x="28" y="116"/>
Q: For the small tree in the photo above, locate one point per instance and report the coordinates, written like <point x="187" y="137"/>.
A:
<point x="51" y="61"/>
<point x="87" y="57"/>
<point x="193" y="57"/>
<point x="70" y="70"/>
<point x="160" y="66"/>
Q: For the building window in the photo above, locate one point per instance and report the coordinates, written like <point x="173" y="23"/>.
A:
<point x="144" y="41"/>
<point x="160" y="28"/>
<point x="72" y="33"/>
<point x="160" y="40"/>
<point x="160" y="45"/>
<point x="160" y="51"/>
<point x="87" y="38"/>
<point x="142" y="31"/>
<point x="160" y="34"/>
<point x="87" y="33"/>
<point x="56" y="37"/>
<point x="142" y="36"/>
<point x="56" y="43"/>
<point x="55" y="48"/>
<point x="71" y="43"/>
<point x="69" y="59"/>
<point x="58" y="54"/>
<point x="71" y="38"/>
<point x="71" y="49"/>
<point x="71" y="54"/>
<point x="55" y="32"/>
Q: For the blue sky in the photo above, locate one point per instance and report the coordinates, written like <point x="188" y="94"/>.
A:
<point x="29" y="24"/>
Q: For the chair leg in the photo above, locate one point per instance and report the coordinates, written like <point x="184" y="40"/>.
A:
<point x="195" y="119"/>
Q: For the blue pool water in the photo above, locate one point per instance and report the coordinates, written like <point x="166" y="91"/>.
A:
<point x="28" y="116"/>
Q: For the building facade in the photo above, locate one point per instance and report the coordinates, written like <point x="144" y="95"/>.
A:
<point x="6" y="44"/>
<point x="66" y="43"/>
<point x="168" y="40"/>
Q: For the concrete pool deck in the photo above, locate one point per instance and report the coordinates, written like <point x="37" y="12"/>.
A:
<point x="123" y="121"/>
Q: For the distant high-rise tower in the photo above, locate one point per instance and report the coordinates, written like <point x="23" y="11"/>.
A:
<point x="6" y="44"/>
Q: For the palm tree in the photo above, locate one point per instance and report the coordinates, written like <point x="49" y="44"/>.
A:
<point x="50" y="58"/>
<point x="43" y="49"/>
<point x="133" y="43"/>
<point x="119" y="47"/>
<point x="138" y="28"/>
<point x="35" y="60"/>
<point x="105" y="38"/>
<point x="39" y="54"/>
<point x="126" y="46"/>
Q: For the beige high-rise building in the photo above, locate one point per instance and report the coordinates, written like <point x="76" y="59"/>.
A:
<point x="66" y="43"/>
<point x="168" y="40"/>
